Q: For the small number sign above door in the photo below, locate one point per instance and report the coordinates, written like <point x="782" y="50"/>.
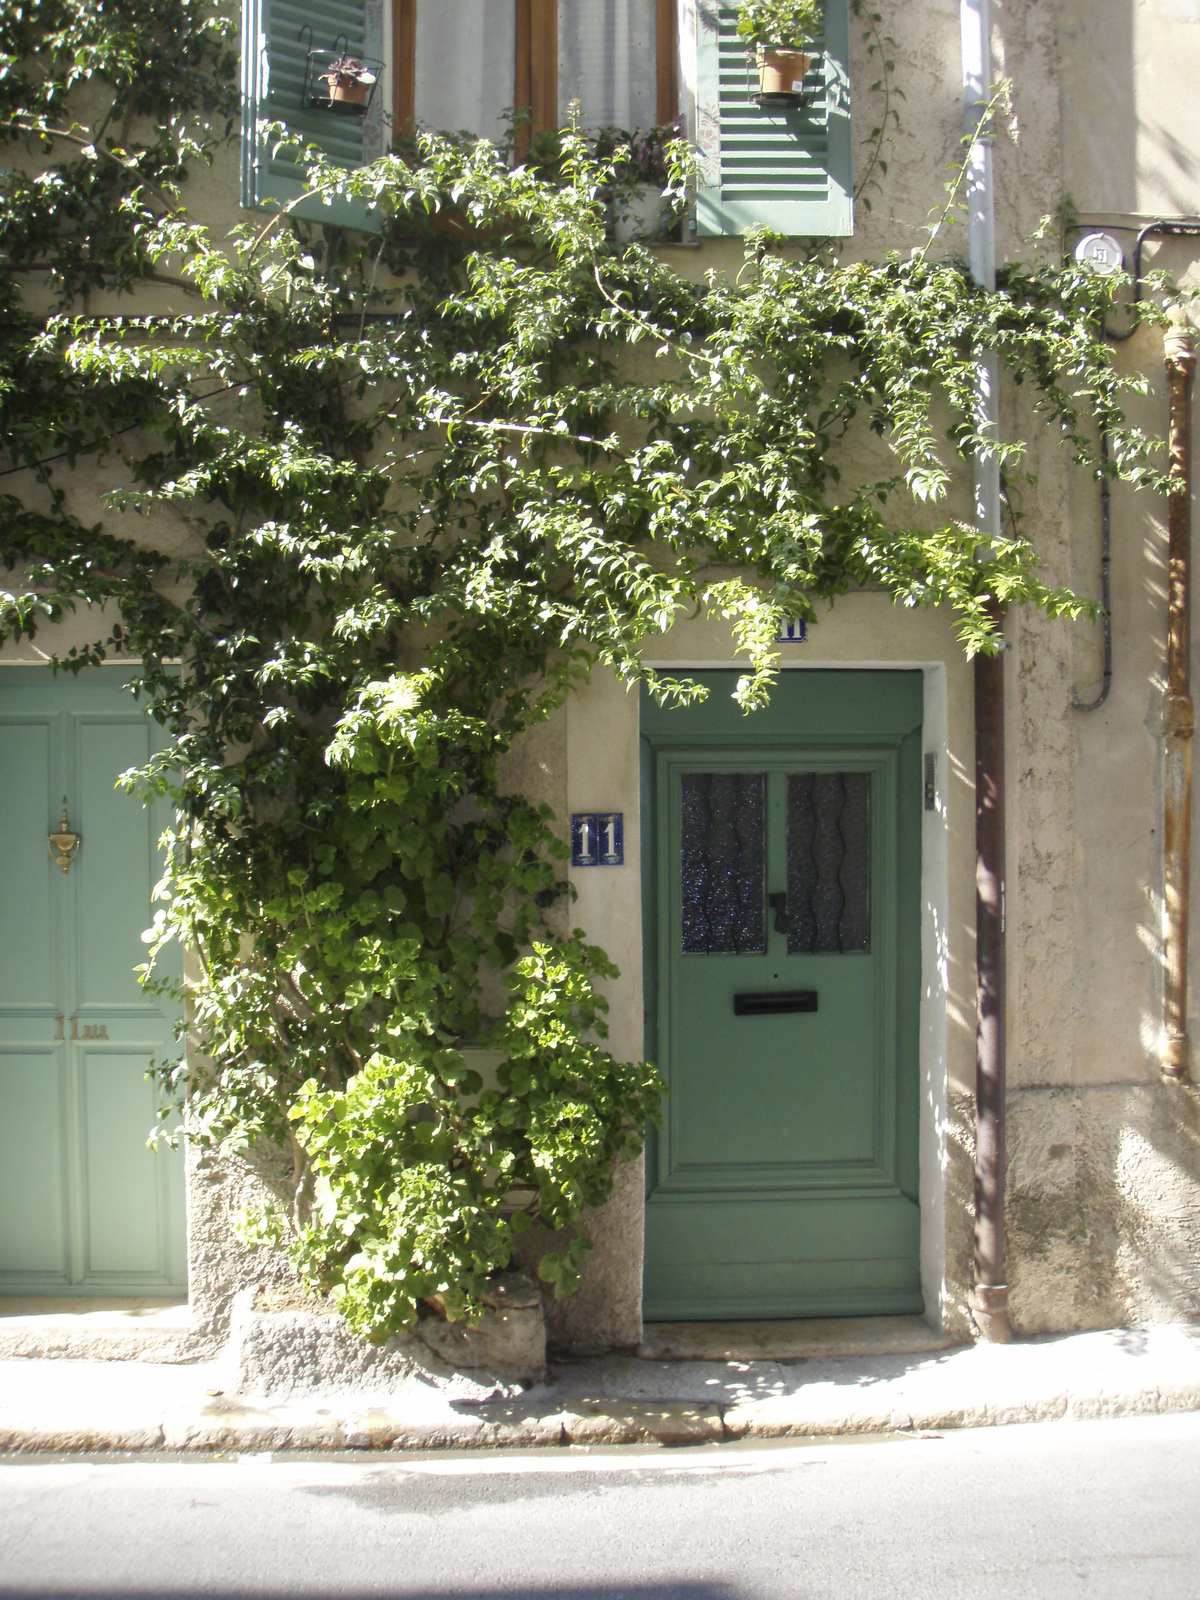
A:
<point x="598" y="839"/>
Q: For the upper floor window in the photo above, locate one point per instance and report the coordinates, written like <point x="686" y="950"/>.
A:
<point x="469" y="64"/>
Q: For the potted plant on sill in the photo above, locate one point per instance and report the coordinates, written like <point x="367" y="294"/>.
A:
<point x="349" y="83"/>
<point x="639" y="209"/>
<point x="783" y="34"/>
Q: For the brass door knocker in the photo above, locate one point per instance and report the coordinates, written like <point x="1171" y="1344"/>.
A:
<point x="63" y="845"/>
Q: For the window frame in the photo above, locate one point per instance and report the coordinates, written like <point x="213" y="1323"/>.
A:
<point x="536" y="82"/>
<point x="535" y="88"/>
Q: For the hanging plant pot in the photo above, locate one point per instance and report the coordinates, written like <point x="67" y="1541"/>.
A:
<point x="334" y="80"/>
<point x="780" y="74"/>
<point x="349" y="85"/>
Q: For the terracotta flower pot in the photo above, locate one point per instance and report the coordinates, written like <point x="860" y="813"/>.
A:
<point x="350" y="91"/>
<point x="349" y="87"/>
<point x="781" y="71"/>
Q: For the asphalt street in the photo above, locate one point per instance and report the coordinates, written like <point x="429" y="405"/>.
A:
<point x="1056" y="1509"/>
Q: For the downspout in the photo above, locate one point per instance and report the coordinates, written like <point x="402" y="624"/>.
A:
<point x="1179" y="715"/>
<point x="989" y="1296"/>
<point x="1105" y="584"/>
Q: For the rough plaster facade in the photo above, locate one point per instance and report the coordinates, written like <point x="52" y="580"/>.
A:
<point x="1104" y="1176"/>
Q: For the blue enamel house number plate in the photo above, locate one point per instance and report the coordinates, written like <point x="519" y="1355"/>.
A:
<point x="598" y="839"/>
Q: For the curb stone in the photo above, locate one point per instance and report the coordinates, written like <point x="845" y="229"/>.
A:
<point x="672" y="1422"/>
<point x="56" y="1407"/>
<point x="236" y="1428"/>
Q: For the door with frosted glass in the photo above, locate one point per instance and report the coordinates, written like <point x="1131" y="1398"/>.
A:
<point x="85" y="1206"/>
<point x="783" y="970"/>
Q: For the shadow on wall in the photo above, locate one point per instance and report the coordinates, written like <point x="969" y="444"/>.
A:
<point x="1168" y="170"/>
<point x="1099" y="105"/>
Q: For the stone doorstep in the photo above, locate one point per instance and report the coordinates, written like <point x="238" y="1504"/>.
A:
<point x="83" y="1328"/>
<point x="97" y="1329"/>
<point x="796" y="1340"/>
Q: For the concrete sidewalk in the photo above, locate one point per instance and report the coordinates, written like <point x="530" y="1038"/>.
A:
<point x="65" y="1406"/>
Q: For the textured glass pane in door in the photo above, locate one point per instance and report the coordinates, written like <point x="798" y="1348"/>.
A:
<point x="723" y="845"/>
<point x="829" y="863"/>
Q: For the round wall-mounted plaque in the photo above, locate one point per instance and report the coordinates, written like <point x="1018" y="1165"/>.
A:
<point x="1101" y="252"/>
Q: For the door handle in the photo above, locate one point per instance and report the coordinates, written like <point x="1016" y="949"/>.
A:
<point x="778" y="904"/>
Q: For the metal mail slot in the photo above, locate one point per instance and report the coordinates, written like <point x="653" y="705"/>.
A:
<point x="774" y="1003"/>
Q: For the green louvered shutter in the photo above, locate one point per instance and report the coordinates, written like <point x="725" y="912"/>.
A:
<point x="274" y="53"/>
<point x="790" y="170"/>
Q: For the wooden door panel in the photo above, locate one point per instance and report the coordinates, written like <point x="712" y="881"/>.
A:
<point x="85" y="1206"/>
<point x="738" y="1265"/>
<point x="124" y="1177"/>
<point x="116" y="867"/>
<point x="32" y="1233"/>
<point x="27" y="815"/>
<point x="783" y="1179"/>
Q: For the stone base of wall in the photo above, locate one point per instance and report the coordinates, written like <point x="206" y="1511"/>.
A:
<point x="1103" y="1232"/>
<point x="286" y="1350"/>
<point x="220" y="1266"/>
<point x="1103" y="1206"/>
<point x="604" y="1314"/>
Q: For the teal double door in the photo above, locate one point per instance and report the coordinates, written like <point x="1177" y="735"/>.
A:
<point x="85" y="1206"/>
<point x="782" y="955"/>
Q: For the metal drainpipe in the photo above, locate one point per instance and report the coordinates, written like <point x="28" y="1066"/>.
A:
<point x="989" y="1296"/>
<point x="1179" y="714"/>
<point x="1105" y="584"/>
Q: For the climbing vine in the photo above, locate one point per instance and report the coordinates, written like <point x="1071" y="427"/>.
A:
<point x="421" y="479"/>
<point x="881" y="53"/>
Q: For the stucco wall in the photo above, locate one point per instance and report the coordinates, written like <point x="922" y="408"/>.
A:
<point x="1104" y="1182"/>
<point x="1104" y="1185"/>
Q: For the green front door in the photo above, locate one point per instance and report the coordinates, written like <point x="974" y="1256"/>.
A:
<point x="782" y="953"/>
<point x="85" y="1207"/>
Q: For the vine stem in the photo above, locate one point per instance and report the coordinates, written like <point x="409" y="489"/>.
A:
<point x="999" y="95"/>
<point x="885" y="85"/>
<point x="90" y="144"/>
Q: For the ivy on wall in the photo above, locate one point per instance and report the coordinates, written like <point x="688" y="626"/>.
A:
<point x="425" y="479"/>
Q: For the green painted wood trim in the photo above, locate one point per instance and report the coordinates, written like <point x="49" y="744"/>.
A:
<point x="895" y="707"/>
<point x="269" y="182"/>
<point x="823" y="135"/>
<point x="847" y="718"/>
<point x="113" y="1213"/>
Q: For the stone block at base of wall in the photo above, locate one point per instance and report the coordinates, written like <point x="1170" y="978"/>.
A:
<point x="282" y="1347"/>
<point x="1103" y="1207"/>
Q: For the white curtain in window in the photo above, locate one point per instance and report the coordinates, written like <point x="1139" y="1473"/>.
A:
<point x="606" y="61"/>
<point x="466" y="64"/>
